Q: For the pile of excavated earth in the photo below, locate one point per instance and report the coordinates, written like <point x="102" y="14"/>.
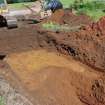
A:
<point x="67" y="17"/>
<point x="55" y="67"/>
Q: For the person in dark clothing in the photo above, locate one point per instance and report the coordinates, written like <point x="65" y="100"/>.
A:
<point x="52" y="5"/>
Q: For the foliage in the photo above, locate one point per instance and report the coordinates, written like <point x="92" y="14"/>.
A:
<point x="55" y="27"/>
<point x="1" y="100"/>
<point x="95" y="9"/>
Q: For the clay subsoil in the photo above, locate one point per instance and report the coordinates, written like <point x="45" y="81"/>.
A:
<point x="56" y="68"/>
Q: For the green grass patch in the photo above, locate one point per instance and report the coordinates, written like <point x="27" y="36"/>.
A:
<point x="55" y="27"/>
<point x="95" y="9"/>
<point x="2" y="100"/>
<point x="67" y="3"/>
<point x="96" y="15"/>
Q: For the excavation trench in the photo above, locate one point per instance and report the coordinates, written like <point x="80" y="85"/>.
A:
<point x="48" y="77"/>
<point x="52" y="78"/>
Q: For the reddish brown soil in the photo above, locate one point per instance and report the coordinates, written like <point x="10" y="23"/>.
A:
<point x="55" y="85"/>
<point x="86" y="44"/>
<point x="60" y="86"/>
<point x="67" y="17"/>
<point x="99" y="26"/>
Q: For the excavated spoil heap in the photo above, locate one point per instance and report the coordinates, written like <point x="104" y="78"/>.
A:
<point x="67" y="17"/>
<point x="86" y="44"/>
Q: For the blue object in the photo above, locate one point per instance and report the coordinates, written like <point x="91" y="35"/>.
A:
<point x="53" y="5"/>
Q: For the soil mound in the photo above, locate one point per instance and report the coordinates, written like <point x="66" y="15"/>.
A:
<point x="67" y="17"/>
<point x="57" y="16"/>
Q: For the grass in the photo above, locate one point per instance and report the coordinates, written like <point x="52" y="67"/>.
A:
<point x="93" y="9"/>
<point x="67" y="3"/>
<point x="55" y="27"/>
<point x="90" y="8"/>
<point x="1" y="100"/>
<point x="96" y="15"/>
